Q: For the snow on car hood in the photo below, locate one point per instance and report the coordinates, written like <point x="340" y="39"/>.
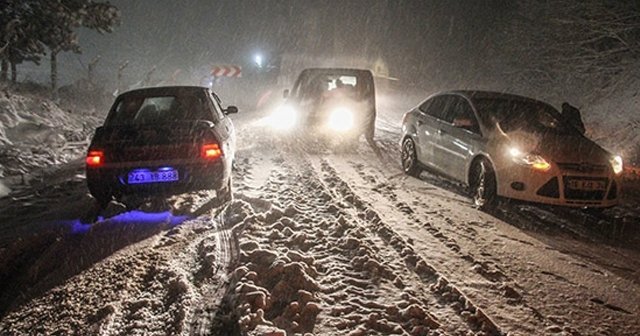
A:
<point x="560" y="147"/>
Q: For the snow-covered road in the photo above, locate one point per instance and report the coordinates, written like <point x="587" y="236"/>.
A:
<point x="315" y="242"/>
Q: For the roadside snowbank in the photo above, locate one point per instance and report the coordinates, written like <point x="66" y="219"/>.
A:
<point x="4" y="191"/>
<point x="36" y="133"/>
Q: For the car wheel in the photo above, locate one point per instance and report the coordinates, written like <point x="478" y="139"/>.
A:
<point x="409" y="159"/>
<point x="225" y="194"/>
<point x="596" y="212"/>
<point x="102" y="199"/>
<point x="483" y="186"/>
<point x="132" y="202"/>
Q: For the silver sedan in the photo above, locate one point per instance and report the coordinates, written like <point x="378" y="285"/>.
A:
<point x="510" y="146"/>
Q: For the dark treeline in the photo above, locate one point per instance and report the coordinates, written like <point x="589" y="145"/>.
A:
<point x="33" y="29"/>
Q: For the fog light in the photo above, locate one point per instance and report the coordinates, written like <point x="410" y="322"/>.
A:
<point x="518" y="186"/>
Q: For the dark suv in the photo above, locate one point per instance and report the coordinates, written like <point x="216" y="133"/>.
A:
<point x="335" y="102"/>
<point x="162" y="141"/>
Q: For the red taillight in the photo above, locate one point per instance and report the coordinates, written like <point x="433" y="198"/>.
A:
<point x="210" y="151"/>
<point x="95" y="158"/>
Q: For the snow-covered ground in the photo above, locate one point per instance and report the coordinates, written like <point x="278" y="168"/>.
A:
<point x="37" y="134"/>
<point x="315" y="242"/>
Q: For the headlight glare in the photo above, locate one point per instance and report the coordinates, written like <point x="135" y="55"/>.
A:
<point x="616" y="164"/>
<point x="341" y="119"/>
<point x="283" y="118"/>
<point x="535" y="161"/>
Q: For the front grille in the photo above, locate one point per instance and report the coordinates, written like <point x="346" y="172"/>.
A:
<point x="613" y="191"/>
<point x="588" y="195"/>
<point x="585" y="168"/>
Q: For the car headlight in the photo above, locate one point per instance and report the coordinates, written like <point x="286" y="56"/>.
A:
<point x="340" y="119"/>
<point x="535" y="161"/>
<point x="616" y="164"/>
<point x="283" y="118"/>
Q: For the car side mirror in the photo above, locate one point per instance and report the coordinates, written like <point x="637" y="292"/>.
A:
<point x="285" y="94"/>
<point x="231" y="110"/>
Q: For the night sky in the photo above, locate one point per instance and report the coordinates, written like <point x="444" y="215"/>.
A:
<point x="419" y="40"/>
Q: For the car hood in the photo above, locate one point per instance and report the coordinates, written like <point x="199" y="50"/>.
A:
<point x="574" y="148"/>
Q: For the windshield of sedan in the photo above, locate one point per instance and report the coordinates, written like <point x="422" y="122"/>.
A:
<point x="512" y="115"/>
<point x="138" y="110"/>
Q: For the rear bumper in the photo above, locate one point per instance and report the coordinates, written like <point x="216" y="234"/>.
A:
<point x="193" y="176"/>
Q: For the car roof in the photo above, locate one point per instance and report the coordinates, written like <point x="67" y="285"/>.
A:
<point x="165" y="90"/>
<point x="479" y="94"/>
<point x="337" y="71"/>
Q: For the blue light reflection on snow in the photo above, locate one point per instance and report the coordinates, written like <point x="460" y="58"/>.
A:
<point x="138" y="218"/>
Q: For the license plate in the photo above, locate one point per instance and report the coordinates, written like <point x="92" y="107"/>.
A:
<point x="146" y="176"/>
<point x="586" y="185"/>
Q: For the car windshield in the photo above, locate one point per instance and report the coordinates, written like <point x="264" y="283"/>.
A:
<point x="140" y="110"/>
<point x="330" y="85"/>
<point x="529" y="116"/>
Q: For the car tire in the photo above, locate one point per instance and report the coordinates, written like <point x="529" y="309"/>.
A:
<point x="102" y="199"/>
<point x="595" y="212"/>
<point x="483" y="185"/>
<point x="132" y="202"/>
<point x="225" y="193"/>
<point x="409" y="158"/>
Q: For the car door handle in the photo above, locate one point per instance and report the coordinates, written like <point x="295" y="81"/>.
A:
<point x="441" y="132"/>
<point x="419" y="122"/>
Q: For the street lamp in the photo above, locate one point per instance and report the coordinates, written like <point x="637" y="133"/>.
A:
<point x="258" y="60"/>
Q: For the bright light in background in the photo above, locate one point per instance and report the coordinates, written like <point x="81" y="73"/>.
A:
<point x="283" y="118"/>
<point x="341" y="119"/>
<point x="258" y="59"/>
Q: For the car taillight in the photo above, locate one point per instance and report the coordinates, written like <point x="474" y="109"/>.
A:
<point x="95" y="158"/>
<point x="210" y="151"/>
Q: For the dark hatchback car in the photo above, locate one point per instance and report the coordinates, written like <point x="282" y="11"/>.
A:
<point x="160" y="142"/>
<point x="337" y="103"/>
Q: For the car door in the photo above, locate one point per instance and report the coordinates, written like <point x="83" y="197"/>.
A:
<point x="224" y="127"/>
<point x="440" y="112"/>
<point x="428" y="124"/>
<point x="458" y="135"/>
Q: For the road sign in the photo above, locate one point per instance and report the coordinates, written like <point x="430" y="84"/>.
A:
<point x="226" y="71"/>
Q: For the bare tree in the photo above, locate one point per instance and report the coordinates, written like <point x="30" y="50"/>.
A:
<point x="575" y="44"/>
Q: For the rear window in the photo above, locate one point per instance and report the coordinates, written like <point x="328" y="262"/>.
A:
<point x="134" y="110"/>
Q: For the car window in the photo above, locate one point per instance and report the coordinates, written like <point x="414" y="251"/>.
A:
<point x="134" y="110"/>
<point x="441" y="107"/>
<point x="217" y="109"/>
<point x="424" y="107"/>
<point x="462" y="114"/>
<point x="314" y="85"/>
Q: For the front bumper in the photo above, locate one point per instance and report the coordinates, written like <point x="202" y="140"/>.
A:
<point x="111" y="180"/>
<point x="598" y="186"/>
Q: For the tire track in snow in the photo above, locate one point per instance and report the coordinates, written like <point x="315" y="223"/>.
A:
<point x="467" y="228"/>
<point x="151" y="287"/>
<point x="482" y="262"/>
<point x="216" y="262"/>
<point x="356" y="280"/>
<point x="438" y="284"/>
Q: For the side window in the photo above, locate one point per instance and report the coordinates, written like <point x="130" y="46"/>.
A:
<point x="441" y="108"/>
<point x="462" y="115"/>
<point x="217" y="110"/>
<point x="424" y="107"/>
